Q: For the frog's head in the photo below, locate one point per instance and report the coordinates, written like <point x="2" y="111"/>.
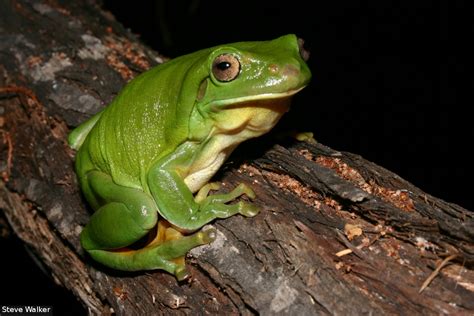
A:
<point x="248" y="87"/>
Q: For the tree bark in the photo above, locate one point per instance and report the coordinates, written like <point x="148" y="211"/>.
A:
<point x="337" y="234"/>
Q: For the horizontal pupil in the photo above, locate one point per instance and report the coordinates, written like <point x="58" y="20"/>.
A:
<point x="223" y="65"/>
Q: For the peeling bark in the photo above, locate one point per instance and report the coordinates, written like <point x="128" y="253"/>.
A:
<point x="337" y="234"/>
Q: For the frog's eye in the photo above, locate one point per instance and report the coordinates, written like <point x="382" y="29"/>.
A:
<point x="226" y="67"/>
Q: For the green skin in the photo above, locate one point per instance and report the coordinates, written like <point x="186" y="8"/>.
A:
<point x="164" y="136"/>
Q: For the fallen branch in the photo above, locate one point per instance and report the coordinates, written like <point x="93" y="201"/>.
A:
<point x="283" y="260"/>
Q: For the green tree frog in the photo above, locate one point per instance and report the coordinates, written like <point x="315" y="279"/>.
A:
<point x="144" y="162"/>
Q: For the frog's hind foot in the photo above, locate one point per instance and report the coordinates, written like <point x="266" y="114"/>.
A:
<point x="167" y="254"/>
<point x="181" y="273"/>
<point x="203" y="237"/>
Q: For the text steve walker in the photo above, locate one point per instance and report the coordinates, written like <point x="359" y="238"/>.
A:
<point x="26" y="309"/>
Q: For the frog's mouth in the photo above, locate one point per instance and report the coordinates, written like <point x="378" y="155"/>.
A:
<point x="229" y="103"/>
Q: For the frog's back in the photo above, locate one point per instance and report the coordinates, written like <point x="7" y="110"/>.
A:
<point x="141" y="125"/>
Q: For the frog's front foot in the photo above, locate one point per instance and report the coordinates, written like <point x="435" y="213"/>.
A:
<point x="204" y="191"/>
<point x="245" y="208"/>
<point x="207" y="236"/>
<point x="241" y="189"/>
<point x="245" y="189"/>
<point x="248" y="209"/>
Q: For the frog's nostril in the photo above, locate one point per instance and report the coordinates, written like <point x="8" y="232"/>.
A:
<point x="303" y="52"/>
<point x="273" y="68"/>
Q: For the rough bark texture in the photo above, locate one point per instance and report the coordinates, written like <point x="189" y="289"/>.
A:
<point x="61" y="62"/>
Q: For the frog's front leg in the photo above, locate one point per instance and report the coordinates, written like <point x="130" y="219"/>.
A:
<point x="127" y="215"/>
<point x="203" y="195"/>
<point x="176" y="202"/>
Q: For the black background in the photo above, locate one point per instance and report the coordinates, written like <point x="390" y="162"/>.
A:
<point x="382" y="87"/>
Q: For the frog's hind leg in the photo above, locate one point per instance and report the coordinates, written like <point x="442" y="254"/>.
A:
<point x="167" y="255"/>
<point x="126" y="216"/>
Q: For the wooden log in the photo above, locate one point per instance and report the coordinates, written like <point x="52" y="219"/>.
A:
<point x="337" y="234"/>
